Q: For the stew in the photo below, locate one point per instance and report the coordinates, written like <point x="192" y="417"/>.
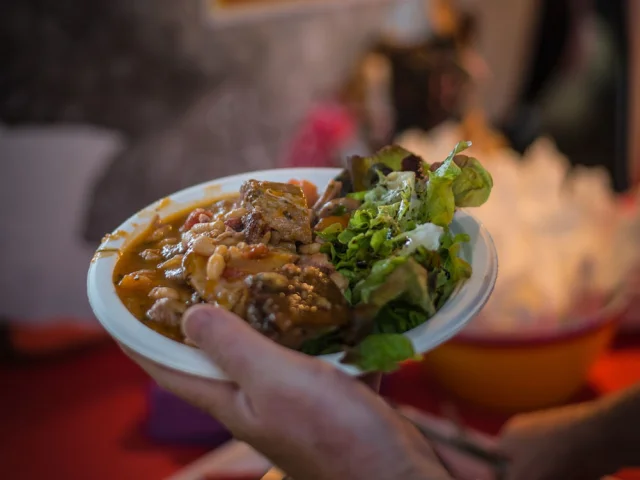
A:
<point x="349" y="270"/>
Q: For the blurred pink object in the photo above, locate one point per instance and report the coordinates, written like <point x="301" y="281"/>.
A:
<point x="320" y="139"/>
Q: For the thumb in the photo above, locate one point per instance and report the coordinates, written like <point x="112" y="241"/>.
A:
<point x="247" y="357"/>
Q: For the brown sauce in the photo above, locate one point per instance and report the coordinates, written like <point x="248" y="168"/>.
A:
<point x="224" y="252"/>
<point x="137" y="300"/>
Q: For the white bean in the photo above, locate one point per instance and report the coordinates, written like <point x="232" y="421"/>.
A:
<point x="164" y="292"/>
<point x="159" y="233"/>
<point x="204" y="246"/>
<point x="216" y="226"/>
<point x="222" y="250"/>
<point x="234" y="252"/>
<point x="215" y="266"/>
<point x="229" y="238"/>
<point x="235" y="213"/>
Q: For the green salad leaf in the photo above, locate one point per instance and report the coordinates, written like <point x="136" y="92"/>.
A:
<point x="381" y="352"/>
<point x="397" y="252"/>
<point x="396" y="278"/>
<point x="473" y="186"/>
<point x="440" y="205"/>
<point x="398" y="317"/>
<point x="364" y="170"/>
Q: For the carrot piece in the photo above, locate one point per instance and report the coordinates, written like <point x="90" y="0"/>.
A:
<point x="325" y="222"/>
<point x="136" y="281"/>
<point x="309" y="189"/>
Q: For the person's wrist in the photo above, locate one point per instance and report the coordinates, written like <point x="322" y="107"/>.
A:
<point x="426" y="464"/>
<point x="616" y="435"/>
<point x="598" y="441"/>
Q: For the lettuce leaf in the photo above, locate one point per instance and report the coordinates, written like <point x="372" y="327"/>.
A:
<point x="324" y="344"/>
<point x="396" y="278"/>
<point x="364" y="171"/>
<point x="439" y="205"/>
<point x="398" y="317"/>
<point x="381" y="353"/>
<point x="473" y="186"/>
<point x="397" y="252"/>
<point x="426" y="235"/>
<point x="457" y="267"/>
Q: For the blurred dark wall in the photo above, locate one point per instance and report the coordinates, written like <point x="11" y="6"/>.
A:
<point x="126" y="65"/>
<point x="601" y="136"/>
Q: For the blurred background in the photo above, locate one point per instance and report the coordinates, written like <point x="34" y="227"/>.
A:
<point x="106" y="106"/>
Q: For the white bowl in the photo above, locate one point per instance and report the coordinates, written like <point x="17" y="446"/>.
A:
<point x="464" y="304"/>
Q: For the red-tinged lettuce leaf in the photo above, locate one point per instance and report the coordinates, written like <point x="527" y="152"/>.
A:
<point x="364" y="171"/>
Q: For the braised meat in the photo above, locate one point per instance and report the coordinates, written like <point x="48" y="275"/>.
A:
<point x="332" y="191"/>
<point x="318" y="260"/>
<point x="293" y="304"/>
<point x="252" y="254"/>
<point x="218" y="280"/>
<point x="167" y="311"/>
<point x="278" y="207"/>
<point x="332" y="207"/>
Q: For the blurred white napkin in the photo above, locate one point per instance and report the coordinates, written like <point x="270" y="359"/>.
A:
<point x="560" y="232"/>
<point x="45" y="186"/>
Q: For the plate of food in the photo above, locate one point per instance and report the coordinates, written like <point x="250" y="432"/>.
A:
<point x="365" y="267"/>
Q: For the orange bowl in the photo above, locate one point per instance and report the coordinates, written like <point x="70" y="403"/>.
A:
<point x="518" y="374"/>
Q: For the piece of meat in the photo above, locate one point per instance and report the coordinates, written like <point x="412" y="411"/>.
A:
<point x="330" y="208"/>
<point x="318" y="260"/>
<point x="166" y="311"/>
<point x="332" y="191"/>
<point x="170" y="251"/>
<point x="249" y="260"/>
<point x="234" y="223"/>
<point x="151" y="255"/>
<point x="255" y="227"/>
<point x="275" y="206"/>
<point x="293" y="304"/>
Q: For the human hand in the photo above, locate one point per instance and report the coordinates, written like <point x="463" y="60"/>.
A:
<point x="559" y="443"/>
<point x="310" y="419"/>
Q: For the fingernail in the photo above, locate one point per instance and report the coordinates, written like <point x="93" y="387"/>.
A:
<point x="194" y="322"/>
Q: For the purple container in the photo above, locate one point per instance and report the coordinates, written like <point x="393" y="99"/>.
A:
<point x="171" y="420"/>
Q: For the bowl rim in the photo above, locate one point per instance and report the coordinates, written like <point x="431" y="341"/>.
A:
<point x="466" y="301"/>
<point x="609" y="313"/>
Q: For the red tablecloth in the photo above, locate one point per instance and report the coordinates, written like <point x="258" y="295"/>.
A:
<point x="78" y="417"/>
